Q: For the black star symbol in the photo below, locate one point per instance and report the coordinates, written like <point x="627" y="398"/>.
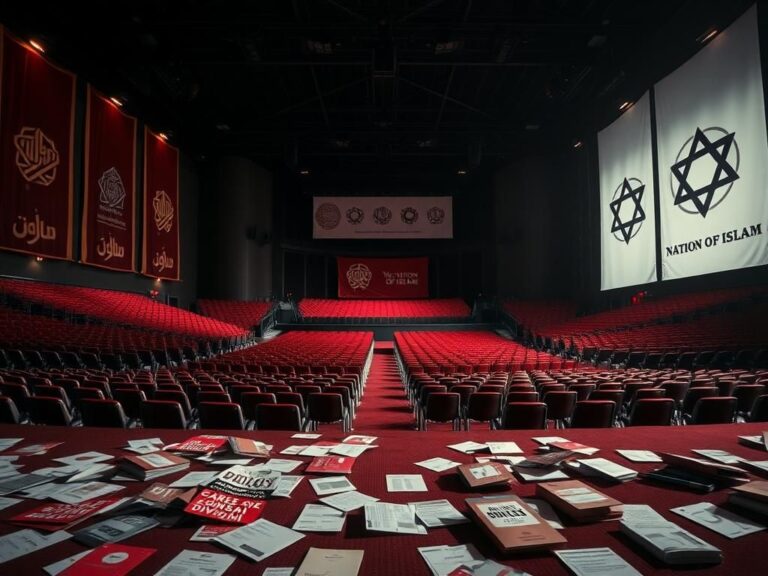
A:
<point x="627" y="193"/>
<point x="724" y="173"/>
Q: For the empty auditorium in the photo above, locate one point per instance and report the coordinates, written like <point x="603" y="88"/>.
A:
<point x="384" y="288"/>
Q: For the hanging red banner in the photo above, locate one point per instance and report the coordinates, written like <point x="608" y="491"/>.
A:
<point x="383" y="278"/>
<point x="160" y="256"/>
<point x="37" y="117"/>
<point x="110" y="185"/>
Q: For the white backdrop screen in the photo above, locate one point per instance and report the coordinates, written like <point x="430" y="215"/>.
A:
<point x="713" y="157"/>
<point x="627" y="215"/>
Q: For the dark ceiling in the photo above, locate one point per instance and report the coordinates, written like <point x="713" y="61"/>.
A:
<point x="344" y="84"/>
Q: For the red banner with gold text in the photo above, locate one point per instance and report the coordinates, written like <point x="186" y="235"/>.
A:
<point x="110" y="185"/>
<point x="37" y="110"/>
<point x="160" y="256"/>
<point x="383" y="277"/>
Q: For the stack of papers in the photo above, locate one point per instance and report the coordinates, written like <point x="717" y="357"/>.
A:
<point x="670" y="543"/>
<point x="397" y="518"/>
<point x="604" y="469"/>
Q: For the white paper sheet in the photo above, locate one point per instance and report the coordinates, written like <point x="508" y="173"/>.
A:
<point x="640" y="455"/>
<point x="195" y="563"/>
<point x="406" y="483"/>
<point x="348" y="501"/>
<point x="442" y="560"/>
<point x="331" y="485"/>
<point x="719" y="519"/>
<point x="437" y="513"/>
<point x="286" y="485"/>
<point x="23" y="542"/>
<point x="192" y="479"/>
<point x="596" y="561"/>
<point x="260" y="539"/>
<point x="438" y="464"/>
<point x="76" y="493"/>
<point x="320" y="518"/>
<point x="386" y="517"/>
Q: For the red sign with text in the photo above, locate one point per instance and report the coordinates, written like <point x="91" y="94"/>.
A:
<point x="37" y="119"/>
<point x="110" y="185"/>
<point x="383" y="278"/>
<point x="161" y="252"/>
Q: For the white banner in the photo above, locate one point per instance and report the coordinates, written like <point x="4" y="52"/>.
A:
<point x="382" y="217"/>
<point x="713" y="157"/>
<point x="627" y="214"/>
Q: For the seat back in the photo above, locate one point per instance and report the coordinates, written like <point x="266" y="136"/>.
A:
<point x="484" y="406"/>
<point x="131" y="401"/>
<point x="325" y="407"/>
<point x="278" y="417"/>
<point x="442" y="407"/>
<point x="593" y="414"/>
<point x="525" y="416"/>
<point x="250" y="400"/>
<point x="224" y="415"/>
<point x="746" y="394"/>
<point x="560" y="404"/>
<point x="759" y="410"/>
<point x="714" y="410"/>
<point x="162" y="414"/>
<point x="652" y="412"/>
<point x="48" y="410"/>
<point x="582" y="390"/>
<point x="175" y="396"/>
<point x="104" y="413"/>
<point x="9" y="414"/>
<point x="695" y="394"/>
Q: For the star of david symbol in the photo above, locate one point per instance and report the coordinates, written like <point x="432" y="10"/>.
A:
<point x="628" y="194"/>
<point x="724" y="175"/>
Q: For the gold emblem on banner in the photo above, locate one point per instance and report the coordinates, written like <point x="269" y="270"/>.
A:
<point x="36" y="156"/>
<point x="112" y="190"/>
<point x="163" y="211"/>
<point x="359" y="276"/>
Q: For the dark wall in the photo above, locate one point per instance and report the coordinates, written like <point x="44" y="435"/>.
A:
<point x="459" y="267"/>
<point x="538" y="232"/>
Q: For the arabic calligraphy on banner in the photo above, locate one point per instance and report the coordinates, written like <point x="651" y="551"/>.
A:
<point x="160" y="256"/>
<point x="110" y="185"/>
<point x="36" y="132"/>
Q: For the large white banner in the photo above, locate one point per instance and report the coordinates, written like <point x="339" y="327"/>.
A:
<point x="627" y="214"/>
<point x="713" y="157"/>
<point x="382" y="217"/>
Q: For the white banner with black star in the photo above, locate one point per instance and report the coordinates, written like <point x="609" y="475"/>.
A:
<point x="382" y="217"/>
<point x="627" y="229"/>
<point x="713" y="157"/>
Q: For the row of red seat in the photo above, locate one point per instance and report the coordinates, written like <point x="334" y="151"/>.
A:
<point x="438" y="308"/>
<point x="245" y="314"/>
<point x="552" y="318"/>
<point x="732" y="331"/>
<point x="469" y="352"/>
<point x="118" y="307"/>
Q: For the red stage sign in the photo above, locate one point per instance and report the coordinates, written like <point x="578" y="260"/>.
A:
<point x="37" y="117"/>
<point x="387" y="278"/>
<point x="160" y="256"/>
<point x="110" y="185"/>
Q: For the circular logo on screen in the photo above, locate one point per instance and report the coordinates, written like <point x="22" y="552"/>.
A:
<point x="435" y="215"/>
<point x="704" y="171"/>
<point x="382" y="215"/>
<point x="327" y="216"/>
<point x="359" y="276"/>
<point x="355" y="215"/>
<point x="114" y="558"/>
<point x="409" y="215"/>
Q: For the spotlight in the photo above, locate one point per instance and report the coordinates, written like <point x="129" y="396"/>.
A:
<point x="707" y="36"/>
<point x="39" y="259"/>
<point x="461" y="172"/>
<point x="624" y="105"/>
<point x="37" y="46"/>
<point x="116" y="101"/>
<point x="163" y="136"/>
<point x="578" y="144"/>
<point x="304" y="172"/>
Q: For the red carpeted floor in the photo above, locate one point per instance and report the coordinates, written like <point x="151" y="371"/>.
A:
<point x="384" y="404"/>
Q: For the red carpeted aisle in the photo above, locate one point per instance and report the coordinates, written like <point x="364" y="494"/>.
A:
<point x="384" y="404"/>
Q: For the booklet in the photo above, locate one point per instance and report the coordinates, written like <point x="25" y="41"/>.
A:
<point x="670" y="543"/>
<point x="328" y="561"/>
<point x="719" y="520"/>
<point x="23" y="542"/>
<point x="225" y="507"/>
<point x="386" y="517"/>
<point x="604" y="468"/>
<point x="331" y="465"/>
<point x="444" y="559"/>
<point x="640" y="455"/>
<point x="114" y="530"/>
<point x="721" y="456"/>
<point x="247" y="447"/>
<point x="202" y="444"/>
<point x="246" y="481"/>
<point x="320" y="518"/>
<point x="438" y="513"/>
<point x="196" y="563"/>
<point x="286" y="486"/>
<point x="348" y="501"/>
<point x="406" y="483"/>
<point x="259" y="539"/>
<point x="594" y="561"/>
<point x="51" y="517"/>
<point x="331" y="485"/>
<point x="438" y="464"/>
<point x="153" y="465"/>
<point x="109" y="560"/>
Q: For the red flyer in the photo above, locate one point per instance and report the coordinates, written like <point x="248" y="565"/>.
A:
<point x="223" y="507"/>
<point x="52" y="517"/>
<point x="331" y="465"/>
<point x="109" y="560"/>
<point x="203" y="444"/>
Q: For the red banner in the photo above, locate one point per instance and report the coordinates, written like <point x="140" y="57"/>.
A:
<point x="390" y="278"/>
<point x="36" y="141"/>
<point x="160" y="256"/>
<point x="110" y="185"/>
